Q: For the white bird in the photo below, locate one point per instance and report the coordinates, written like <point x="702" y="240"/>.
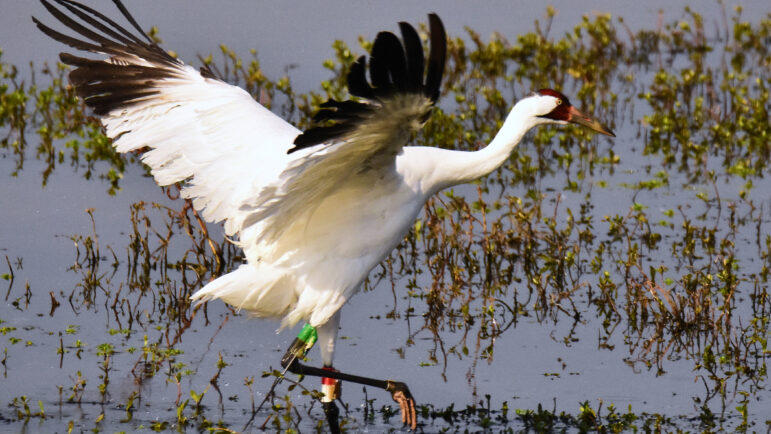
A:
<point x="313" y="211"/>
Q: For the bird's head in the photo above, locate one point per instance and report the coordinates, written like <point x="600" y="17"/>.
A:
<point x="555" y="108"/>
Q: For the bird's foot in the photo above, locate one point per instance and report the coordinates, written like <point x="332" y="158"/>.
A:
<point x="401" y="394"/>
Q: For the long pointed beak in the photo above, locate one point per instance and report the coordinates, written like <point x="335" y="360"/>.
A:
<point x="576" y="117"/>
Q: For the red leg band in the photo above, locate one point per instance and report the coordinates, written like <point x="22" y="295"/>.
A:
<point x="330" y="387"/>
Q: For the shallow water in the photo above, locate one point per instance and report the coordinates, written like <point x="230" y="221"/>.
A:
<point x="150" y="357"/>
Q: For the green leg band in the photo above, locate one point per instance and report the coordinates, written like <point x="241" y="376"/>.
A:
<point x="302" y="343"/>
<point x="308" y="335"/>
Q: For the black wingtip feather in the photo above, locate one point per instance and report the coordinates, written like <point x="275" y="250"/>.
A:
<point x="342" y="110"/>
<point x="394" y="67"/>
<point x="131" y="20"/>
<point x="104" y="104"/>
<point x="387" y="65"/>
<point x="415" y="59"/>
<point x="74" y="25"/>
<point x="67" y="40"/>
<point x="108" y="23"/>
<point x="83" y="12"/>
<point x="317" y="135"/>
<point x="436" y="57"/>
<point x="357" y="80"/>
<point x="107" y="85"/>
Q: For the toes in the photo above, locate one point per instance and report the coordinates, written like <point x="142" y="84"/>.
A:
<point x="401" y="394"/>
<point x="413" y="414"/>
<point x="403" y="408"/>
<point x="407" y="408"/>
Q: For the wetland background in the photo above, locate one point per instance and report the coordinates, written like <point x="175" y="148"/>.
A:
<point x="590" y="284"/>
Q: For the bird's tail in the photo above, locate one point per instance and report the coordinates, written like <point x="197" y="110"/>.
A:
<point x="262" y="291"/>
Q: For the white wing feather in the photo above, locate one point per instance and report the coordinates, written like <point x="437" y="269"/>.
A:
<point x="226" y="145"/>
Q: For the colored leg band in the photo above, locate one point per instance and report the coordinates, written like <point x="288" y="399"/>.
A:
<point x="300" y="346"/>
<point x="330" y="387"/>
<point x="308" y="335"/>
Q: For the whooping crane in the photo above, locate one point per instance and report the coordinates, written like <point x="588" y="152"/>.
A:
<point x="314" y="211"/>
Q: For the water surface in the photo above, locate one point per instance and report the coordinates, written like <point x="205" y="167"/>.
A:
<point x="109" y="338"/>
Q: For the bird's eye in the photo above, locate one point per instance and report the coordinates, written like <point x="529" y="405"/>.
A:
<point x="559" y="101"/>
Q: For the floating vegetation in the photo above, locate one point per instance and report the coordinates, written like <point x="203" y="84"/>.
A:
<point x="657" y="243"/>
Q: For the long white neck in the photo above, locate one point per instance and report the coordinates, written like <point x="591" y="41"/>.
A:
<point x="458" y="167"/>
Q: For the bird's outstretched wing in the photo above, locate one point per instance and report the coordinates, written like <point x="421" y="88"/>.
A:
<point x="398" y="91"/>
<point x="198" y="128"/>
<point x="351" y="137"/>
<point x="242" y="163"/>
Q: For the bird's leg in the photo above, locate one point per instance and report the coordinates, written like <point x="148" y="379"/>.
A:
<point x="399" y="391"/>
<point x="300" y="346"/>
<point x="331" y="390"/>
<point x="329" y="386"/>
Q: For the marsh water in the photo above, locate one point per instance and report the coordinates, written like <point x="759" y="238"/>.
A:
<point x="589" y="284"/>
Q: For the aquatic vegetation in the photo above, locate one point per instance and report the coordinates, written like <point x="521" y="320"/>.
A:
<point x="658" y="243"/>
